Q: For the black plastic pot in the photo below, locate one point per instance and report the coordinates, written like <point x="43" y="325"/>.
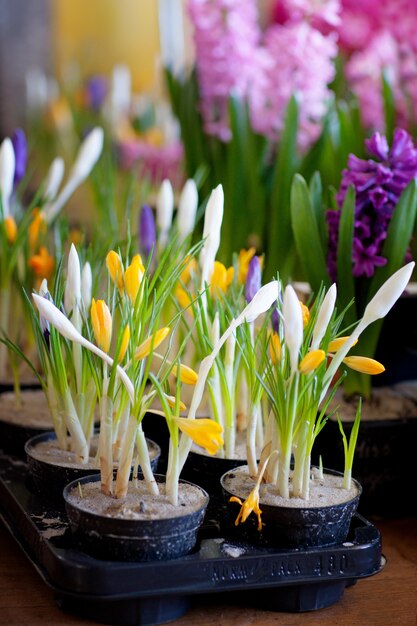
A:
<point x="14" y="435"/>
<point x="132" y="539"/>
<point x="49" y="479"/>
<point x="384" y="463"/>
<point x="290" y="527"/>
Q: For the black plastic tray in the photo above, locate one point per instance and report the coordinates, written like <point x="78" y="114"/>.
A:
<point x="152" y="593"/>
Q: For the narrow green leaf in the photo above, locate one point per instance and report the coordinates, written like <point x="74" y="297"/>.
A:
<point x="345" y="280"/>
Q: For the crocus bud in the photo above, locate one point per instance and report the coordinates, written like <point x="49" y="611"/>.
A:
<point x="324" y="316"/>
<point x="86" y="285"/>
<point x="44" y="323"/>
<point x="147" y="230"/>
<point x="388" y="294"/>
<point x="164" y="211"/>
<point x="20" y="148"/>
<point x="151" y="343"/>
<point x="253" y="279"/>
<point x="11" y="229"/>
<point x="133" y="278"/>
<point x="55" y="317"/>
<point x="261" y="302"/>
<point x="311" y="361"/>
<point x="7" y="169"/>
<point x="211" y="233"/>
<point x="187" y="209"/>
<point x="275" y="319"/>
<point x="115" y="268"/>
<point x="54" y="179"/>
<point x="293" y="325"/>
<point x="102" y="324"/>
<point x="96" y="91"/>
<point x="72" y="295"/>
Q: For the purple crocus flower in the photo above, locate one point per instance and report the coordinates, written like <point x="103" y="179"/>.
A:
<point x="275" y="319"/>
<point x="96" y="91"/>
<point x="147" y="230"/>
<point x="379" y="183"/>
<point x="20" y="148"/>
<point x="253" y="279"/>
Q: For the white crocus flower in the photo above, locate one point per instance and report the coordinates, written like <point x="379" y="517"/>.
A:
<point x="86" y="285"/>
<point x="72" y="294"/>
<point x="324" y="316"/>
<point x="211" y="233"/>
<point x="187" y="209"/>
<point x="88" y="155"/>
<point x="164" y="211"/>
<point x="293" y="325"/>
<point x="7" y="168"/>
<point x="54" y="179"/>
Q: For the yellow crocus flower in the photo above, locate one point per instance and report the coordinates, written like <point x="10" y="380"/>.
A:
<point x="311" y="361"/>
<point x="244" y="258"/>
<point x="11" y="229"/>
<point x="364" y="364"/>
<point x="184" y="299"/>
<point x="336" y="344"/>
<point x="187" y="374"/>
<point x="171" y="402"/>
<point x="221" y="278"/>
<point x="133" y="278"/>
<point x="125" y="343"/>
<point x="190" y="268"/>
<point x="115" y="267"/>
<point x="275" y="349"/>
<point x="153" y="341"/>
<point x="102" y="324"/>
<point x="206" y="433"/>
<point x="42" y="264"/>
<point x="36" y="229"/>
<point x="306" y="313"/>
<point x="250" y="504"/>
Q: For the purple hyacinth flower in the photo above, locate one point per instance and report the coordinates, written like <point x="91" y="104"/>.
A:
<point x="20" y="148"/>
<point x="253" y="279"/>
<point x="147" y="230"/>
<point x="96" y="90"/>
<point x="379" y="183"/>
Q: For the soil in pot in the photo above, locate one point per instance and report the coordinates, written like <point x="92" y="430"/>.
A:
<point x="322" y="520"/>
<point x="21" y="421"/>
<point x="384" y="458"/>
<point x="139" y="527"/>
<point x="51" y="468"/>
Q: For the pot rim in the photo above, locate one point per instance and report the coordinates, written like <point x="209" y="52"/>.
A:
<point x="300" y="509"/>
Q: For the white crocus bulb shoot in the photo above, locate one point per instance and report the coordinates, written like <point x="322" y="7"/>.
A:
<point x="86" y="285"/>
<point x="54" y="179"/>
<point x="187" y="209"/>
<point x="324" y="316"/>
<point x="211" y="233"/>
<point x="164" y="211"/>
<point x="7" y="168"/>
<point x="293" y="325"/>
<point x="88" y="155"/>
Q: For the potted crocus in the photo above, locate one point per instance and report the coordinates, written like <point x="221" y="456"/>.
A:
<point x="369" y="231"/>
<point x="296" y="505"/>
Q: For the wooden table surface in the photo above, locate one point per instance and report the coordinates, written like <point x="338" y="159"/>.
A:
<point x="390" y="598"/>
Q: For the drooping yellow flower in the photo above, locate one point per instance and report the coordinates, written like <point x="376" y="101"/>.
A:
<point x="275" y="349"/>
<point x="102" y="324"/>
<point x="115" y="267"/>
<point x="364" y="364"/>
<point x="311" y="361"/>
<point x="244" y="258"/>
<point x="10" y="228"/>
<point x="206" y="433"/>
<point x="250" y="504"/>
<point x="154" y="340"/>
<point x="336" y="344"/>
<point x="306" y="313"/>
<point x="124" y="344"/>
<point x="171" y="402"/>
<point x="190" y="268"/>
<point x="42" y="264"/>
<point x="221" y="278"/>
<point x="187" y="374"/>
<point x="36" y="229"/>
<point x="184" y="299"/>
<point x="133" y="278"/>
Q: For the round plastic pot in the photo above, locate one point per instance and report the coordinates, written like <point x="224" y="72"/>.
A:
<point x="13" y="437"/>
<point x="290" y="527"/>
<point x="133" y="540"/>
<point x="49" y="479"/>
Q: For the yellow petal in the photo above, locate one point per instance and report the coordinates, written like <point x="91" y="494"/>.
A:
<point x="102" y="324"/>
<point x="115" y="267"/>
<point x="221" y="278"/>
<point x="251" y="504"/>
<point x="36" y="229"/>
<point x="125" y="343"/>
<point x="204" y="432"/>
<point x="171" y="402"/>
<point x="306" y="313"/>
<point x="364" y="364"/>
<point x="187" y="375"/>
<point x="151" y="342"/>
<point x="133" y="278"/>
<point x="338" y="343"/>
<point x="184" y="300"/>
<point x="190" y="268"/>
<point x="42" y="263"/>
<point x="10" y="228"/>
<point x="311" y="361"/>
<point x="245" y="257"/>
<point x="275" y="349"/>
